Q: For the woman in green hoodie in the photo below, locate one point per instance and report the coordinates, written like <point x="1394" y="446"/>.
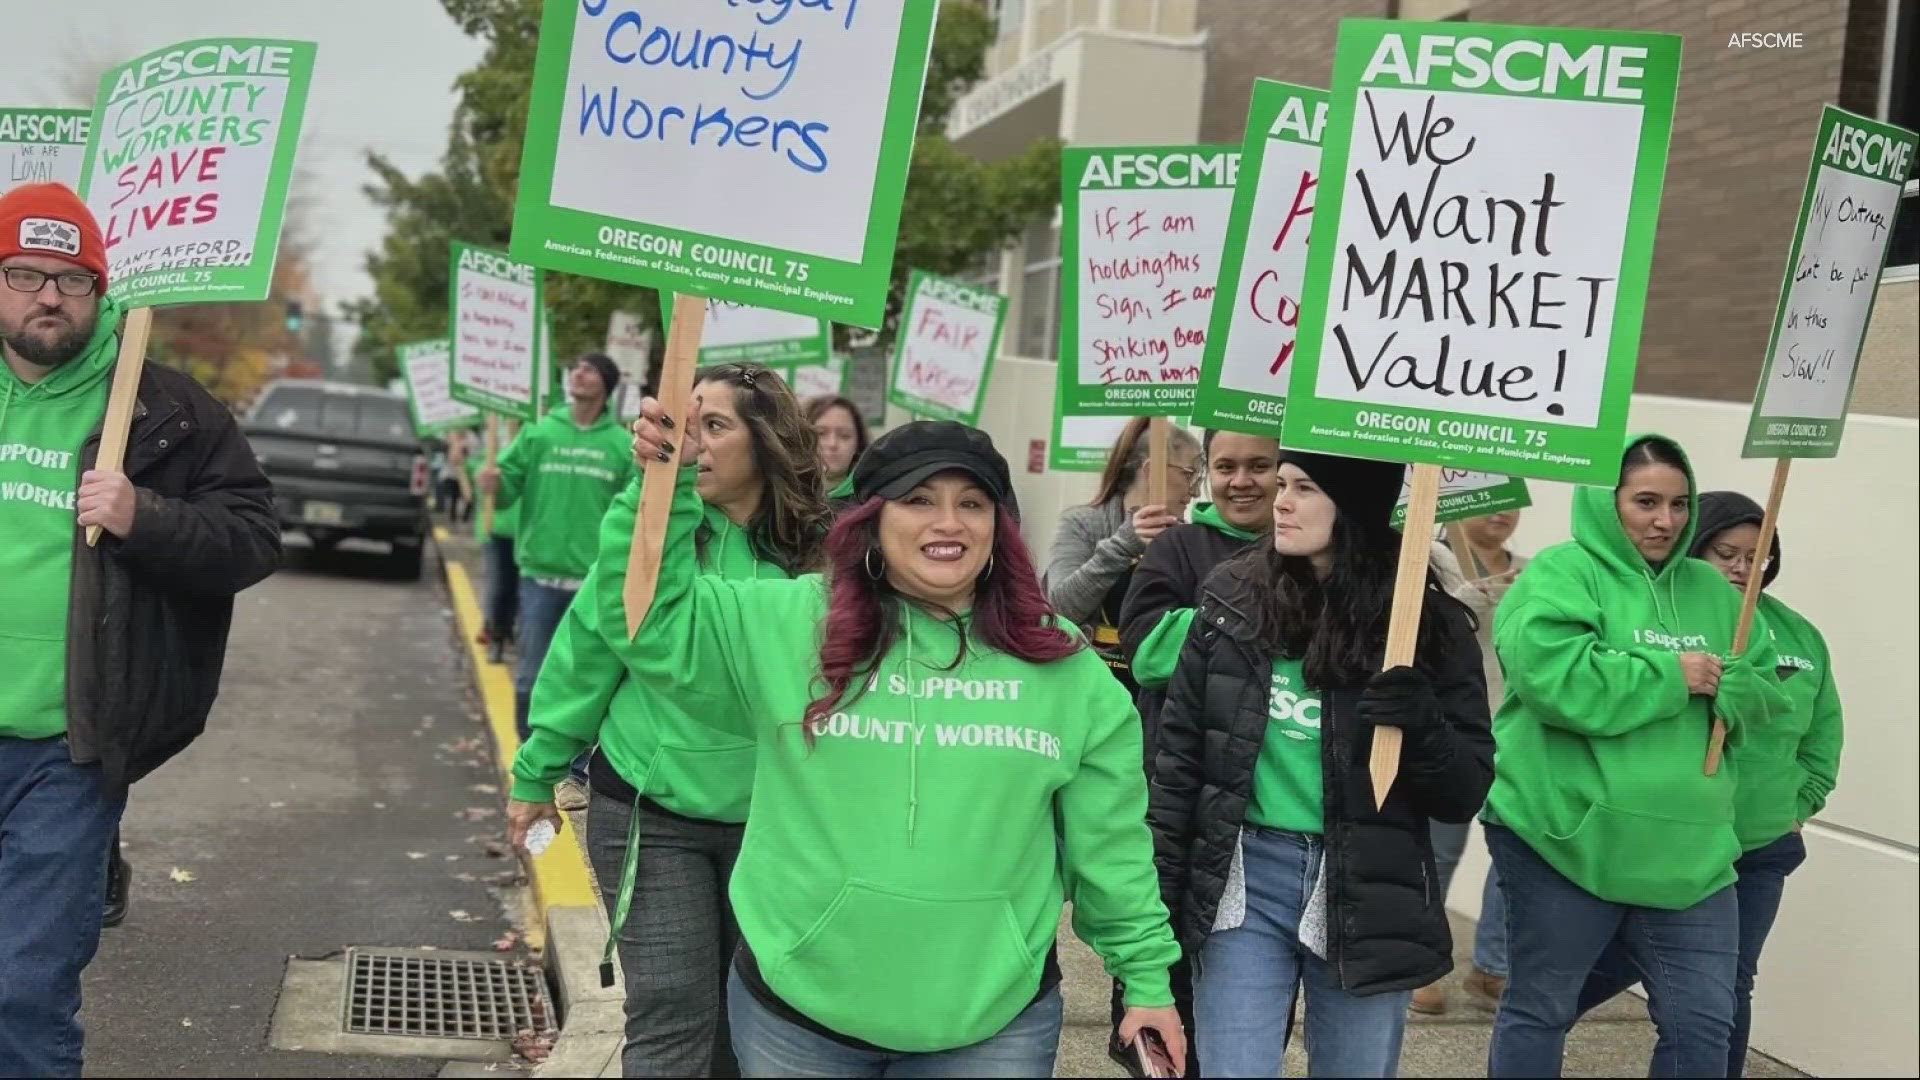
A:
<point x="1785" y="769"/>
<point x="669" y="790"/>
<point x="842" y="435"/>
<point x="1602" y="822"/>
<point x="941" y="764"/>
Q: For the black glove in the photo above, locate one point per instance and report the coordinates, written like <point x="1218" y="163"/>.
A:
<point x="1400" y="697"/>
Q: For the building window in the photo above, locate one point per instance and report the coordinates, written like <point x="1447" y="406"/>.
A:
<point x="1007" y="15"/>
<point x="1039" y="335"/>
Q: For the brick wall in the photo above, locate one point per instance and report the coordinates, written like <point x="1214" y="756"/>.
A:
<point x="1254" y="39"/>
<point x="1865" y="49"/>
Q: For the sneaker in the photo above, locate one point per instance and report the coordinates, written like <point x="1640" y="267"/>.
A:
<point x="571" y="795"/>
<point x="119" y="886"/>
<point x="496" y="651"/>
<point x="1484" y="990"/>
<point x="1429" y="1000"/>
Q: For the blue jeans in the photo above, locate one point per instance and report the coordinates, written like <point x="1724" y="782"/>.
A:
<point x="503" y="587"/>
<point x="1246" y="979"/>
<point x="1763" y="879"/>
<point x="55" y="827"/>
<point x="1490" y="936"/>
<point x="1558" y="933"/>
<point x="770" y="1046"/>
<point x="541" y="609"/>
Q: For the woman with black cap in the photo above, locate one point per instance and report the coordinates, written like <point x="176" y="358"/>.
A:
<point x="1278" y="868"/>
<point x="1783" y="771"/>
<point x="940" y="762"/>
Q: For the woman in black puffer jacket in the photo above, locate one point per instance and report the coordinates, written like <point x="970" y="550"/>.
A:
<point x="1275" y="865"/>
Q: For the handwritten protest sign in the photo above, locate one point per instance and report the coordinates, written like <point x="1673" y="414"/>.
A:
<point x="744" y="334"/>
<point x="1465" y="494"/>
<point x="814" y="380"/>
<point x="187" y="167"/>
<point x="630" y="347"/>
<point x="1141" y="233"/>
<point x="674" y="144"/>
<point x="41" y="146"/>
<point x="1243" y="376"/>
<point x="1082" y="443"/>
<point x="495" y="317"/>
<point x="425" y="368"/>
<point x="944" y="353"/>
<point x="1833" y="273"/>
<point x="1476" y="279"/>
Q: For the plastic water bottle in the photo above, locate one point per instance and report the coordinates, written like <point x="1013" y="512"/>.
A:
<point x="540" y="836"/>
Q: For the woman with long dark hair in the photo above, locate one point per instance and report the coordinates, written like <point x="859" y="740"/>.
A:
<point x="1604" y="828"/>
<point x="670" y="790"/>
<point x="1279" y="870"/>
<point x="1097" y="546"/>
<point x="842" y="434"/>
<point x="940" y="762"/>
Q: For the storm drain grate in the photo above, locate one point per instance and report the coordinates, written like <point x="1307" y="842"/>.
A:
<point x="436" y="997"/>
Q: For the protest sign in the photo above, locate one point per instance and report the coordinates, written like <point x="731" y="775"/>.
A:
<point x="1465" y="494"/>
<point x="744" y="334"/>
<point x="495" y="311"/>
<point x="1142" y="229"/>
<point x="187" y="167"/>
<point x="1476" y="277"/>
<point x="949" y="336"/>
<point x="1477" y="274"/>
<point x="815" y="380"/>
<point x="1243" y="374"/>
<point x="674" y="145"/>
<point x="630" y="347"/>
<point x="1082" y="443"/>
<point x="1847" y="211"/>
<point x="43" y="146"/>
<point x="425" y="366"/>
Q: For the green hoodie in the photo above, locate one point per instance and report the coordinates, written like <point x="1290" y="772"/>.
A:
<point x="43" y="427"/>
<point x="1159" y="651"/>
<point x="1601" y="746"/>
<point x="505" y="519"/>
<point x="902" y="879"/>
<point x="843" y="489"/>
<point x="1788" y="766"/>
<point x="562" y="476"/>
<point x="689" y="767"/>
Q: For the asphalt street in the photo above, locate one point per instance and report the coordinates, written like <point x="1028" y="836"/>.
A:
<point x="342" y="795"/>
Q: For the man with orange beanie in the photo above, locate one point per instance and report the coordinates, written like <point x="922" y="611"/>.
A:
<point x="110" y="655"/>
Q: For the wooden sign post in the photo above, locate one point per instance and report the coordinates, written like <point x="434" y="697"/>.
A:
<point x="122" y="399"/>
<point x="1158" y="434"/>
<point x="1403" y="629"/>
<point x="661" y="477"/>
<point x="1750" y="602"/>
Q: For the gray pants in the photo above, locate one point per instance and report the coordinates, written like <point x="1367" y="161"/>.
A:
<point x="679" y="938"/>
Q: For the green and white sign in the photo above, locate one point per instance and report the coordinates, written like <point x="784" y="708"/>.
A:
<point x="1142" y="228"/>
<point x="1243" y="377"/>
<point x="816" y="380"/>
<point x="43" y="146"/>
<point x="426" y="370"/>
<point x="949" y="336"/>
<point x="743" y="334"/>
<point x="747" y="152"/>
<point x="495" y="312"/>
<point x="1082" y="443"/>
<point x="1476" y="277"/>
<point x="1833" y="274"/>
<point x="187" y="167"/>
<point x="1465" y="494"/>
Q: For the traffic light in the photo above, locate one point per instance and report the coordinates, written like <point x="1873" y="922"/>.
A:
<point x="293" y="316"/>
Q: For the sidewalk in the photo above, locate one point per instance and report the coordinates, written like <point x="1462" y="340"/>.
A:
<point x="1616" y="1041"/>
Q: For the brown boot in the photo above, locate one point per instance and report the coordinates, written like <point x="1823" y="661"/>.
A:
<point x="1429" y="1000"/>
<point x="1483" y="989"/>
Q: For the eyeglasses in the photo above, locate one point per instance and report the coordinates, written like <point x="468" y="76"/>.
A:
<point x="27" y="280"/>
<point x="1185" y="474"/>
<point x="1729" y="556"/>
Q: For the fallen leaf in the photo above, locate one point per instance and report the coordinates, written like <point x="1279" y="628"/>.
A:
<point x="453" y="858"/>
<point x="461" y="916"/>
<point x="465" y="877"/>
<point x="276" y="805"/>
<point x="484" y="789"/>
<point x="534" y="1045"/>
<point x="179" y="875"/>
<point x="184" y="1022"/>
<point x="416" y="854"/>
<point x="379" y="806"/>
<point x="507" y="942"/>
<point x="477" y="813"/>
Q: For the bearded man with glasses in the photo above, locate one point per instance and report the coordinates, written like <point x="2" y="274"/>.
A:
<point x="110" y="655"/>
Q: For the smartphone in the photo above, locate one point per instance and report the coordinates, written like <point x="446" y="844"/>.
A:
<point x="1151" y="1055"/>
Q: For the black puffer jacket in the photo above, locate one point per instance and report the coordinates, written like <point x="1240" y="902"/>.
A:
<point x="1387" y="923"/>
<point x="148" y="616"/>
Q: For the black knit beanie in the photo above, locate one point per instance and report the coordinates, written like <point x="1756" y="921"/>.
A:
<point x="609" y="371"/>
<point x="1722" y="510"/>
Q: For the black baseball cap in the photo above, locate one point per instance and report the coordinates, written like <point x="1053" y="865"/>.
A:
<point x="903" y="458"/>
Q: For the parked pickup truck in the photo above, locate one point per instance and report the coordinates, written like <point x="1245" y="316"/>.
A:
<point x="344" y="462"/>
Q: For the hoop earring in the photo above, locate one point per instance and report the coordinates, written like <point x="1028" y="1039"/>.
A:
<point x="876" y="572"/>
<point x="988" y="572"/>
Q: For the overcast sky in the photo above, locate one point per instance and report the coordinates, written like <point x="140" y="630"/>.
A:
<point x="383" y="80"/>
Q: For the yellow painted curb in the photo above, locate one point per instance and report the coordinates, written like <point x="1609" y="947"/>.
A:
<point x="560" y="877"/>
